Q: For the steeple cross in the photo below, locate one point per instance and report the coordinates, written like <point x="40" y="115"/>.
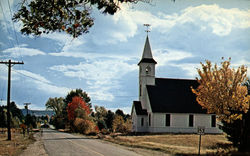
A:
<point x="147" y="25"/>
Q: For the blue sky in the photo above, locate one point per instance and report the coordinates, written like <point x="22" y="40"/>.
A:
<point x="104" y="62"/>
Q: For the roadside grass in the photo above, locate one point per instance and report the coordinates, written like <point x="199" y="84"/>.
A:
<point x="176" y="143"/>
<point x="17" y="143"/>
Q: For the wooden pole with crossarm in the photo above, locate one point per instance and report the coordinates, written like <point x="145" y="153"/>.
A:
<point x="9" y="64"/>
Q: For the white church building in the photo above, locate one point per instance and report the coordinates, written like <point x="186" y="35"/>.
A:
<point x="167" y="105"/>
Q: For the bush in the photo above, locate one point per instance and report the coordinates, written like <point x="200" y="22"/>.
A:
<point x="59" y="123"/>
<point x="84" y="126"/>
<point x="120" y="126"/>
<point x="101" y="125"/>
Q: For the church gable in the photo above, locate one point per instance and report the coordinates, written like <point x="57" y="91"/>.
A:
<point x="173" y="96"/>
<point x="138" y="108"/>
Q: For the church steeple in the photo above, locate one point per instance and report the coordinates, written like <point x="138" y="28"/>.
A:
<point x="146" y="73"/>
<point x="147" y="56"/>
<point x="147" y="49"/>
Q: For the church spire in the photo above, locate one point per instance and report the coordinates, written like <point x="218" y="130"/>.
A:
<point x="147" y="50"/>
<point x="147" y="54"/>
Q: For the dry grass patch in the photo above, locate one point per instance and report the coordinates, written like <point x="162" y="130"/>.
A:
<point x="176" y="143"/>
<point x="17" y="144"/>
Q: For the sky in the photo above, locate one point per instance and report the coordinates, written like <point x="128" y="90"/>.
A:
<point x="104" y="62"/>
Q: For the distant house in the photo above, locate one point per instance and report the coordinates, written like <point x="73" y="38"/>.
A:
<point x="167" y="105"/>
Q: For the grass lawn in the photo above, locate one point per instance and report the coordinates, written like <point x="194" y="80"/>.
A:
<point x="176" y="143"/>
<point x="17" y="144"/>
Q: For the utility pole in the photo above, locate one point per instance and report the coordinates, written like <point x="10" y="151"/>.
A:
<point x="26" y="107"/>
<point x="9" y="64"/>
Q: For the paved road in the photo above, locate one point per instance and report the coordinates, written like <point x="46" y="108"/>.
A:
<point x="63" y="144"/>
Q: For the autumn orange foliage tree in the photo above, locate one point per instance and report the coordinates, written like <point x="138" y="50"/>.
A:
<point x="221" y="90"/>
<point x="78" y="115"/>
<point x="77" y="103"/>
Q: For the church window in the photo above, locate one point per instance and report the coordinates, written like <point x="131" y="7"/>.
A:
<point x="191" y="120"/>
<point x="213" y="121"/>
<point x="167" y="120"/>
<point x="148" y="70"/>
<point x="142" y="122"/>
<point x="149" y="120"/>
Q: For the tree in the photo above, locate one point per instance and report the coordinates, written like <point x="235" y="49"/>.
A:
<point x="109" y="119"/>
<point x="120" y="112"/>
<point x="234" y="130"/>
<point x="3" y="117"/>
<point x="80" y="93"/>
<point x="100" y="112"/>
<point x="30" y="121"/>
<point x="118" y="123"/>
<point x="221" y="92"/>
<point x="15" y="115"/>
<point x="77" y="103"/>
<point x="16" y="112"/>
<point x="70" y="16"/>
<point x="78" y="116"/>
<point x="56" y="104"/>
<point x="100" y="117"/>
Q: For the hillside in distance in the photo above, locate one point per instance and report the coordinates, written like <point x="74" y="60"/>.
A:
<point x="38" y="112"/>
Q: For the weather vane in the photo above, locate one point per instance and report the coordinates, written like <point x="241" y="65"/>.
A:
<point x="147" y="25"/>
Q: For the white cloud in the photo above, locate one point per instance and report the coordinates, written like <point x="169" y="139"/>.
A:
<point x="101" y="75"/>
<point x="35" y="80"/>
<point x="190" y="68"/>
<point x="34" y="76"/>
<point x="61" y="37"/>
<point x="91" y="56"/>
<point x="52" y="89"/>
<point x="3" y="102"/>
<point x="126" y="110"/>
<point x="42" y="83"/>
<point x="5" y="9"/>
<point x="164" y="56"/>
<point x="22" y="51"/>
<point x="221" y="21"/>
<point x="4" y="73"/>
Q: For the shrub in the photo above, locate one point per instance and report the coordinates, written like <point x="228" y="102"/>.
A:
<point x="84" y="126"/>
<point x="101" y="125"/>
<point x="118" y="124"/>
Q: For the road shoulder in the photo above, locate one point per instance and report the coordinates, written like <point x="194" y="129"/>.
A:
<point x="35" y="149"/>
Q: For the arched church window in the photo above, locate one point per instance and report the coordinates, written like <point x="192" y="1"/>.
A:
<point x="148" y="70"/>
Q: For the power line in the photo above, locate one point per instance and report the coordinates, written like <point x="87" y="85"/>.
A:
<point x="33" y="78"/>
<point x="7" y="28"/>
<point x="49" y="83"/>
<point x="14" y="30"/>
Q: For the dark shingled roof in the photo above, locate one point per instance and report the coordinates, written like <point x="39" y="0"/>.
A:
<point x="138" y="108"/>
<point x="147" y="60"/>
<point x="173" y="96"/>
